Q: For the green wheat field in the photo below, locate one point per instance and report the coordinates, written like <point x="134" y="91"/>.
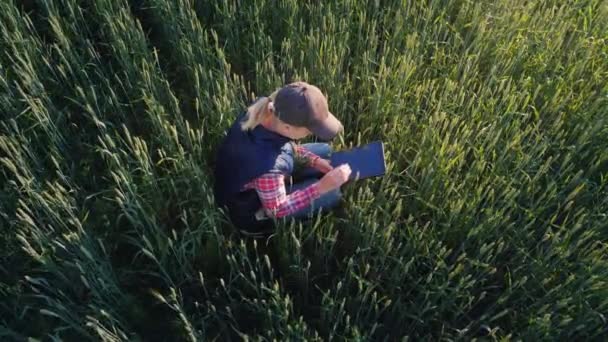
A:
<point x="491" y="223"/>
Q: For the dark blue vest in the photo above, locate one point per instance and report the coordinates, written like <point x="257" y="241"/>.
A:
<point x="245" y="155"/>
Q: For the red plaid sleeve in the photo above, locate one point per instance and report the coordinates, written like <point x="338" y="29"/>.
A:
<point x="306" y="154"/>
<point x="275" y="200"/>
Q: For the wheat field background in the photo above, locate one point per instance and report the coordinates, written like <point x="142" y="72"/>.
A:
<point x="490" y="224"/>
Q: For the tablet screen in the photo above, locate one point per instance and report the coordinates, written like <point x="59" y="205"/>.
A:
<point x="365" y="161"/>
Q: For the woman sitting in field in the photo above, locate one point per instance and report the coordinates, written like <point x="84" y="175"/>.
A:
<point x="256" y="178"/>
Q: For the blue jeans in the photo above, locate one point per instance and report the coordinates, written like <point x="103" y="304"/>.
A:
<point x="306" y="176"/>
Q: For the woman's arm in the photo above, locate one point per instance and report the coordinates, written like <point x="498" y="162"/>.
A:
<point x="275" y="200"/>
<point x="307" y="155"/>
<point x="314" y="160"/>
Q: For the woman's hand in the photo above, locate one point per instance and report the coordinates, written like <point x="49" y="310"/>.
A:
<point x="334" y="178"/>
<point x="323" y="165"/>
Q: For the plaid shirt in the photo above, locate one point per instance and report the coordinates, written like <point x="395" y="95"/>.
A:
<point x="273" y="195"/>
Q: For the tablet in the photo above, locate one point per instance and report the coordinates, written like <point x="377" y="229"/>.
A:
<point x="365" y="161"/>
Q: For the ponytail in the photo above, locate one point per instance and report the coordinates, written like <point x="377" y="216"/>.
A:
<point x="255" y="112"/>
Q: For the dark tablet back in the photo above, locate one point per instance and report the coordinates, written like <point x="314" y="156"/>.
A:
<point x="365" y="161"/>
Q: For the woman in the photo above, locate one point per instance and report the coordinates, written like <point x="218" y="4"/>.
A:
<point x="255" y="161"/>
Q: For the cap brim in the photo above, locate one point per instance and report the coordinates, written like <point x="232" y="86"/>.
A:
<point x="328" y="128"/>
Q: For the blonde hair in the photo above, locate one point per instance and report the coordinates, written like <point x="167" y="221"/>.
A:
<point x="256" y="110"/>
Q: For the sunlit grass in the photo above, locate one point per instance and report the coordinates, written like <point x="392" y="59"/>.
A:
<point x="490" y="222"/>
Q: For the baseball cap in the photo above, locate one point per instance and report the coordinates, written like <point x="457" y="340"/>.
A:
<point x="304" y="105"/>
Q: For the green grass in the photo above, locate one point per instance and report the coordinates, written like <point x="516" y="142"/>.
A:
<point x="491" y="222"/>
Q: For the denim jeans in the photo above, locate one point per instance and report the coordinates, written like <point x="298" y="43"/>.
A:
<point x="306" y="176"/>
